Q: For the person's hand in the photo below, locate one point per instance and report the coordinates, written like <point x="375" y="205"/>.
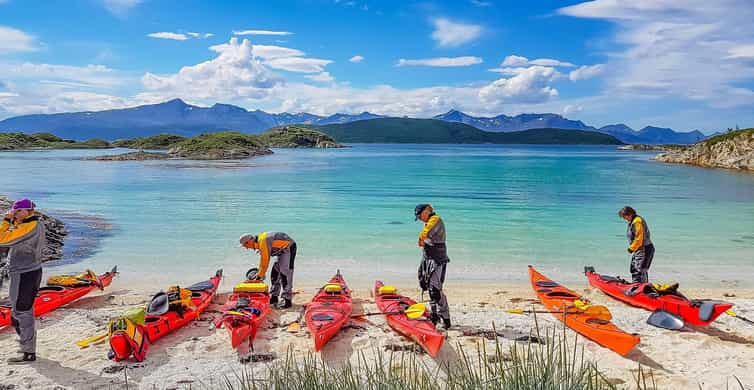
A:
<point x="10" y="214"/>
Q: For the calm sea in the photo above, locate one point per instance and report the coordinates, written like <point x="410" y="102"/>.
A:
<point x="352" y="209"/>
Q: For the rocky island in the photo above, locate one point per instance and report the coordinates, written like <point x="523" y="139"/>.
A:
<point x="733" y="150"/>
<point x="297" y="136"/>
<point x="42" y="141"/>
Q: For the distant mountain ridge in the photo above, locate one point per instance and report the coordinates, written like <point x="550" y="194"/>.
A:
<point x="174" y="116"/>
<point x="435" y="131"/>
<point x="177" y="117"/>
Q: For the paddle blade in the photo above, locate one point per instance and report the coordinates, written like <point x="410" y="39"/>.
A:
<point x="731" y="313"/>
<point x="515" y="311"/>
<point x="665" y="320"/>
<point x="294" y="327"/>
<point x="415" y="311"/>
<point x="599" y="312"/>
<point x="91" y="340"/>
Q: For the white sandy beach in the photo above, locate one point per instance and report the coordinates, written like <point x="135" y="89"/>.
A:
<point x="195" y="356"/>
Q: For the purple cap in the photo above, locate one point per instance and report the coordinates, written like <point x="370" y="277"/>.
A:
<point x="23" y="204"/>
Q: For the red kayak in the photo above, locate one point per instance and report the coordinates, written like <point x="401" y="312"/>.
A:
<point x="244" y="312"/>
<point x="328" y="311"/>
<point x="50" y="298"/>
<point x="134" y="339"/>
<point x="699" y="312"/>
<point x="421" y="330"/>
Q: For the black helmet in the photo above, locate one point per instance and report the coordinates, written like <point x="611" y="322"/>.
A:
<point x="418" y="210"/>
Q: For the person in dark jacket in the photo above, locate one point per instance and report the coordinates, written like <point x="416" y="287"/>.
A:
<point x="639" y="244"/>
<point x="23" y="233"/>
<point x="434" y="262"/>
<point x="283" y="247"/>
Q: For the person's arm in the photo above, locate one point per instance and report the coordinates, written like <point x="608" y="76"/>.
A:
<point x="638" y="226"/>
<point x="428" y="228"/>
<point x="264" y="255"/>
<point x="8" y="237"/>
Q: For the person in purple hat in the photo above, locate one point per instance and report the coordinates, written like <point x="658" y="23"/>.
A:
<point x="23" y="232"/>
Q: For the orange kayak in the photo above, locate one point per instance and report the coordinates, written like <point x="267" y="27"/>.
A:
<point x="557" y="298"/>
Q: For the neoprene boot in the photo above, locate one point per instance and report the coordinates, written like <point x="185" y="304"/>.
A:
<point x="23" y="359"/>
<point x="273" y="300"/>
<point x="285" y="304"/>
<point x="446" y="323"/>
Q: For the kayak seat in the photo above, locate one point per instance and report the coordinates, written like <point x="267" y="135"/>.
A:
<point x="597" y="321"/>
<point x="242" y="303"/>
<point x="322" y="317"/>
<point x="544" y="290"/>
<point x="52" y="288"/>
<point x="546" y="283"/>
<point x="201" y="286"/>
<point x="562" y="294"/>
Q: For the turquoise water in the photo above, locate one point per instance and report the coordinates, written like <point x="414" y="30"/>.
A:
<point x="504" y="206"/>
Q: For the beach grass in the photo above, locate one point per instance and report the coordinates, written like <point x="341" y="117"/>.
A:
<point x="558" y="363"/>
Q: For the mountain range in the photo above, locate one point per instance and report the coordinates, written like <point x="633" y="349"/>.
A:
<point x="177" y="117"/>
<point x="647" y="135"/>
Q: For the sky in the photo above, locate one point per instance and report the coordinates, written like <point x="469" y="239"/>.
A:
<point x="685" y="64"/>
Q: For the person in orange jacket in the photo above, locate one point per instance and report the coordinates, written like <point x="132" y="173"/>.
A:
<point x="23" y="233"/>
<point x="283" y="247"/>
<point x="639" y="244"/>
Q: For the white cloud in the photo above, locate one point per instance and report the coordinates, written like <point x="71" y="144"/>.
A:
<point x="586" y="72"/>
<point x="744" y="51"/>
<point x="179" y="36"/>
<point x="551" y="62"/>
<point x="441" y="61"/>
<point x="694" y="50"/>
<point x="120" y="8"/>
<point x="234" y="73"/>
<point x="261" y="32"/>
<point x="298" y="64"/>
<point x="571" y="109"/>
<point x="13" y="40"/>
<point x="531" y="85"/>
<point x="356" y="59"/>
<point x="324" y="77"/>
<point x="452" y="34"/>
<point x="269" y="52"/>
<point x="514" y="60"/>
<point x="89" y="75"/>
<point x="169" y="35"/>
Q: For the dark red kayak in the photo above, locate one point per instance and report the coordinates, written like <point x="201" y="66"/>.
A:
<point x="421" y="330"/>
<point x="244" y="312"/>
<point x="50" y="298"/>
<point x="698" y="312"/>
<point x="328" y="311"/>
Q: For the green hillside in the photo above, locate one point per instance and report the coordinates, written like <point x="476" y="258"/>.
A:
<point x="430" y="131"/>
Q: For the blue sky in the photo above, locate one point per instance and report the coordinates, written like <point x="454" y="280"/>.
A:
<point x="660" y="62"/>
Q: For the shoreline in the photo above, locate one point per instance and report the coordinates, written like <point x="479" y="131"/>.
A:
<point x="196" y="356"/>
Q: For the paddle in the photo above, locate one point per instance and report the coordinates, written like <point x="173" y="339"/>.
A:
<point x="412" y="312"/>
<point x="91" y="340"/>
<point x="598" y="312"/>
<point x="735" y="315"/>
<point x="295" y="326"/>
<point x="665" y="320"/>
